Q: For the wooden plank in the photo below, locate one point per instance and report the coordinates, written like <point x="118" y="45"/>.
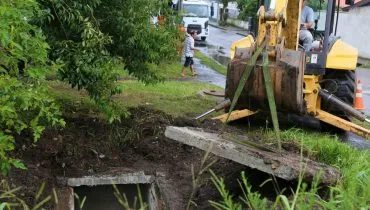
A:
<point x="235" y="115"/>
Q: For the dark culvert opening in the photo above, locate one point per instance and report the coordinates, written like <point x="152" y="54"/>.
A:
<point x="102" y="196"/>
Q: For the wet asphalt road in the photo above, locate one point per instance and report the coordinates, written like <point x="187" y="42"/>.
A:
<point x="364" y="76"/>
<point x="206" y="74"/>
<point x="217" y="46"/>
<point x="221" y="40"/>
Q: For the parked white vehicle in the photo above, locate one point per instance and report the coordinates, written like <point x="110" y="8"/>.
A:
<point x="196" y="14"/>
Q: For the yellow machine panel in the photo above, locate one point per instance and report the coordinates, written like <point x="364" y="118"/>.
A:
<point x="242" y="43"/>
<point x="342" y="56"/>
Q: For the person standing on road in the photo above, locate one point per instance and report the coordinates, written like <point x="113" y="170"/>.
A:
<point x="189" y="53"/>
<point x="307" y="19"/>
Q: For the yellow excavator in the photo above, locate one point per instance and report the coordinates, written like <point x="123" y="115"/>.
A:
<point x="320" y="82"/>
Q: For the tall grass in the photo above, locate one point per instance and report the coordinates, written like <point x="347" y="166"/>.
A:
<point x="204" y="166"/>
<point x="122" y="199"/>
<point x="351" y="192"/>
<point x="9" y="198"/>
<point x="211" y="63"/>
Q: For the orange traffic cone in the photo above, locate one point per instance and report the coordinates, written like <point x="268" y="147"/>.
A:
<point x="359" y="101"/>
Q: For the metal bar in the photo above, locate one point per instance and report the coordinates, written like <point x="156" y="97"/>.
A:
<point x="328" y="30"/>
<point x="204" y="114"/>
<point x="243" y="80"/>
<point x="270" y="96"/>
<point x="342" y="124"/>
<point x="336" y="22"/>
<point x="223" y="104"/>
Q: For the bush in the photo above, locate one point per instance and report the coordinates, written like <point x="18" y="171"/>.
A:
<point x="24" y="103"/>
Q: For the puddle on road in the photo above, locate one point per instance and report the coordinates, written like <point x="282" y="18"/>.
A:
<point x="219" y="53"/>
<point x="307" y="122"/>
<point x="354" y="140"/>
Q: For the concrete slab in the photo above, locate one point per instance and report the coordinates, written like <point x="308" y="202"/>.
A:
<point x="286" y="166"/>
<point x="130" y="178"/>
<point x="65" y="199"/>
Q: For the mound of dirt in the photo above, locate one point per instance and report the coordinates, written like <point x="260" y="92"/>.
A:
<point x="88" y="146"/>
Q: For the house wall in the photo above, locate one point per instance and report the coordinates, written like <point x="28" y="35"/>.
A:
<point x="354" y="29"/>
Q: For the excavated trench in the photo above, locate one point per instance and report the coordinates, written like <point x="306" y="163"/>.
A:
<point x="88" y="156"/>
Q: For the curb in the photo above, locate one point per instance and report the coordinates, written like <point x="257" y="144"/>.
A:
<point x="245" y="35"/>
<point x="216" y="26"/>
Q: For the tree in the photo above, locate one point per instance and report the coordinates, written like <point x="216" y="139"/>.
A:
<point x="247" y="8"/>
<point x="135" y="40"/>
<point x="95" y="40"/>
<point x="89" y="42"/>
<point x="317" y="5"/>
<point x="224" y="14"/>
<point x="24" y="101"/>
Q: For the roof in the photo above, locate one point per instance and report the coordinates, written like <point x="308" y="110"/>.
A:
<point x="361" y="3"/>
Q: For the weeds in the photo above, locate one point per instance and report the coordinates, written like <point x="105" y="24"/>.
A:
<point x="252" y="200"/>
<point x="351" y="192"/>
<point x="196" y="177"/>
<point x="122" y="199"/>
<point x="227" y="202"/>
<point x="10" y="200"/>
<point x="81" y="203"/>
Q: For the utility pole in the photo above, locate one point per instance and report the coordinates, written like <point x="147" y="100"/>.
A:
<point x="180" y="5"/>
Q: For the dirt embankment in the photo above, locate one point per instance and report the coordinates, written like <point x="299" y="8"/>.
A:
<point x="88" y="146"/>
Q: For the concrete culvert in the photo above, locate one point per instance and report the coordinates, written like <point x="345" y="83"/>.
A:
<point x="100" y="192"/>
<point x="102" y="197"/>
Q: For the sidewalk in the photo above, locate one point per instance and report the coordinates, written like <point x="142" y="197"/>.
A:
<point x="239" y="31"/>
<point x="227" y="27"/>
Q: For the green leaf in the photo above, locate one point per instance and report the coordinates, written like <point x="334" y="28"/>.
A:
<point x="3" y="205"/>
<point x="18" y="164"/>
<point x="5" y="38"/>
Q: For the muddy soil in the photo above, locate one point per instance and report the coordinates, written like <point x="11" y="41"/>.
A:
<point x="89" y="146"/>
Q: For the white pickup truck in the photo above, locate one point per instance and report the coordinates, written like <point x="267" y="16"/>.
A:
<point x="196" y="14"/>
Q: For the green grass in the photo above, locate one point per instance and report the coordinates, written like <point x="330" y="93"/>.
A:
<point x="352" y="190"/>
<point x="210" y="63"/>
<point x="366" y="65"/>
<point x="173" y="97"/>
<point x="168" y="70"/>
<point x="362" y="124"/>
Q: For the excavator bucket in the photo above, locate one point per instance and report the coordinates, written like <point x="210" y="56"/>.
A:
<point x="286" y="71"/>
